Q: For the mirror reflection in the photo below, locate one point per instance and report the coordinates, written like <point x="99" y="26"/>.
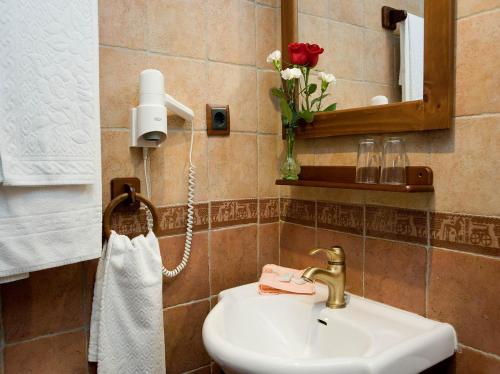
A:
<point x="376" y="59"/>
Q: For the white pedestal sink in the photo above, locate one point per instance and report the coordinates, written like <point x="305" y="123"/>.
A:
<point x="292" y="334"/>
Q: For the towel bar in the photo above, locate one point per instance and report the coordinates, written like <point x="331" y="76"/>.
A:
<point x="134" y="196"/>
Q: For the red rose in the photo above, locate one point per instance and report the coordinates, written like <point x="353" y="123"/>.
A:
<point x="313" y="52"/>
<point x="298" y="53"/>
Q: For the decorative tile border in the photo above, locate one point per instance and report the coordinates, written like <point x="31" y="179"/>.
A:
<point x="462" y="232"/>
<point x="407" y="225"/>
<point x="130" y="224"/>
<point x="340" y="217"/>
<point x="467" y="233"/>
<point x="173" y="220"/>
<point x="233" y="212"/>
<point x="269" y="210"/>
<point x="302" y="212"/>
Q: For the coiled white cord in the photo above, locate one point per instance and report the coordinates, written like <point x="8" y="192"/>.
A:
<point x="190" y="211"/>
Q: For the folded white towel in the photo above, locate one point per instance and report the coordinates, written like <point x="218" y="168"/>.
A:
<point x="126" y="331"/>
<point x="49" y="134"/>
<point x="411" y="74"/>
<point x="49" y="92"/>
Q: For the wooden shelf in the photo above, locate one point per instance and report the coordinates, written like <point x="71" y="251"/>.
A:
<point x="419" y="179"/>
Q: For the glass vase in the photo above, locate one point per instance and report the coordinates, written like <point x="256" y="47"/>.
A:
<point x="290" y="167"/>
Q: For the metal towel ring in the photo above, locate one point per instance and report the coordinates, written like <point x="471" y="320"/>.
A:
<point x="106" y="221"/>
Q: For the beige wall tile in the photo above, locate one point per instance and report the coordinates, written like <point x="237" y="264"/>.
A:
<point x="184" y="350"/>
<point x="472" y="361"/>
<point x="177" y="27"/>
<point x="350" y="11"/>
<point x="314" y="7"/>
<point x="336" y="151"/>
<point x="379" y="57"/>
<point x="347" y="94"/>
<point x="268" y="166"/>
<point x="268" y="106"/>
<point x="463" y="291"/>
<point x="49" y="301"/>
<point x="232" y="167"/>
<point x="478" y="63"/>
<point x="465" y="162"/>
<point x="468" y="7"/>
<point x="268" y="34"/>
<point x="119" y="84"/>
<point x="345" y="51"/>
<point x="273" y="3"/>
<point x="185" y="80"/>
<point x="169" y="168"/>
<point x="395" y="274"/>
<point x="339" y="195"/>
<point x="63" y="353"/>
<point x="193" y="282"/>
<point x="268" y="245"/>
<point x="315" y="30"/>
<point x="237" y="87"/>
<point x="233" y="257"/>
<point x="122" y="23"/>
<point x="117" y="159"/>
<point x="295" y="243"/>
<point x="231" y="36"/>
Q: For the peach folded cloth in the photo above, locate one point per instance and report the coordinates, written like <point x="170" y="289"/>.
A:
<point x="272" y="281"/>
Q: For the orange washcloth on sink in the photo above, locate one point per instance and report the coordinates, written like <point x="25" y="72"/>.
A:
<point x="278" y="280"/>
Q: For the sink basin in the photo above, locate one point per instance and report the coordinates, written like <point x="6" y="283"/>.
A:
<point x="296" y="334"/>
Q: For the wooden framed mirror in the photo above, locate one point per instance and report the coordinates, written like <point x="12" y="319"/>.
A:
<point x="433" y="111"/>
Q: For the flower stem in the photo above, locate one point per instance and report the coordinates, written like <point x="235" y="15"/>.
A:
<point x="306" y="80"/>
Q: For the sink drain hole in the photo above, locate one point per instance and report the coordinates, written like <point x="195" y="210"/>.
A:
<point x="322" y="322"/>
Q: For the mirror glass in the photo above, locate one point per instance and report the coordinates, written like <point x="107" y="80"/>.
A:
<point x="373" y="65"/>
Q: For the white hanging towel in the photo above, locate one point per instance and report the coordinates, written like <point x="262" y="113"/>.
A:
<point x="50" y="183"/>
<point x="126" y="331"/>
<point x="411" y="73"/>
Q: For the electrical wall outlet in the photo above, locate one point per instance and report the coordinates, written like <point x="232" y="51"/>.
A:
<point x="218" y="120"/>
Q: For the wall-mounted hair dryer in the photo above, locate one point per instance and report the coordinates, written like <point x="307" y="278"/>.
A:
<point x="149" y="119"/>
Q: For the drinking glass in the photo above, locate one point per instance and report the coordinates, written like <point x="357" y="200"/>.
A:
<point x="393" y="161"/>
<point x="368" y="163"/>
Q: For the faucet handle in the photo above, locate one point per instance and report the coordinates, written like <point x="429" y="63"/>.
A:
<point x="335" y="254"/>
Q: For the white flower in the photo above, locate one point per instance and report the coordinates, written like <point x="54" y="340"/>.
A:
<point x="291" y="73"/>
<point x="274" y="56"/>
<point x="328" y="78"/>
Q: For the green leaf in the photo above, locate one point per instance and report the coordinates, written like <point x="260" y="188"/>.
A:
<point x="278" y="92"/>
<point x="307" y="116"/>
<point x="285" y="110"/>
<point x="311" y="88"/>
<point x="330" y="108"/>
<point x="318" y="99"/>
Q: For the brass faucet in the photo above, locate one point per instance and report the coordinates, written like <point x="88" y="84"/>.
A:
<point x="333" y="276"/>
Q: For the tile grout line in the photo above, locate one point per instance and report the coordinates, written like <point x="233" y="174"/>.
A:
<point x="195" y="370"/>
<point x="39" y="337"/>
<point x="190" y="302"/>
<point x="478" y="13"/>
<point x="492" y="355"/>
